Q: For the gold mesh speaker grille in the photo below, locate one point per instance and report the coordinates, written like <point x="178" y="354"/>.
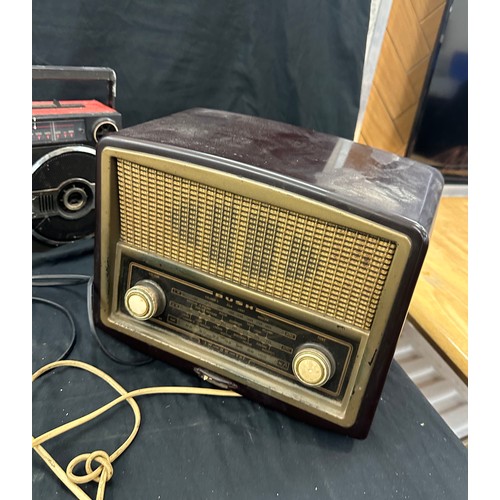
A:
<point x="306" y="261"/>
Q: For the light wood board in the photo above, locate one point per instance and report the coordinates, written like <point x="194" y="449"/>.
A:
<point x="439" y="307"/>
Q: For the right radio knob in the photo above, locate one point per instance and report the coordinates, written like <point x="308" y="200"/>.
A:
<point x="313" y="365"/>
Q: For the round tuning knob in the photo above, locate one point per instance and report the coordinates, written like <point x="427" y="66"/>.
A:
<point x="145" y="300"/>
<point x="313" y="365"/>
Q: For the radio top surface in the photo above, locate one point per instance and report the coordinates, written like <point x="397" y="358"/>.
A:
<point x="355" y="174"/>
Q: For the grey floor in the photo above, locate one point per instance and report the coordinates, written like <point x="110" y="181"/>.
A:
<point x="438" y="382"/>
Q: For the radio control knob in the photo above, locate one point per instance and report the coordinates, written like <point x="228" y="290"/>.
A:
<point x="145" y="300"/>
<point x="313" y="365"/>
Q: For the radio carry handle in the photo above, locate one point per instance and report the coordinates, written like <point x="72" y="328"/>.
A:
<point x="80" y="73"/>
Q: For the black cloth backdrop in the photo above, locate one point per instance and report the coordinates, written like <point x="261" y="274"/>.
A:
<point x="289" y="60"/>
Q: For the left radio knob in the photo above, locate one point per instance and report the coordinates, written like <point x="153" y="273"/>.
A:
<point x="145" y="300"/>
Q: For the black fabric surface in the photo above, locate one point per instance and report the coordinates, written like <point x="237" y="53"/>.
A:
<point x="289" y="60"/>
<point x="200" y="447"/>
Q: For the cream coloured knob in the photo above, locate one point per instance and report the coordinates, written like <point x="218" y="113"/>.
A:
<point x="145" y="300"/>
<point x="313" y="366"/>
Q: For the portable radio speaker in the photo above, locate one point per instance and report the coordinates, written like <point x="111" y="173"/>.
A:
<point x="273" y="260"/>
<point x="64" y="138"/>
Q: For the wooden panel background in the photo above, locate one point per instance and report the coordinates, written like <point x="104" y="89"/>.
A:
<point x="398" y="81"/>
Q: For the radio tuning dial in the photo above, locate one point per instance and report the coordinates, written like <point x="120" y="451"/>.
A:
<point x="145" y="300"/>
<point x="313" y="365"/>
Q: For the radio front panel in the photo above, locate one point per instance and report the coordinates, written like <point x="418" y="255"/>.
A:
<point x="266" y="288"/>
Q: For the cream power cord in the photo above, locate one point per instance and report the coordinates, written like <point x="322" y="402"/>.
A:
<point x="104" y="470"/>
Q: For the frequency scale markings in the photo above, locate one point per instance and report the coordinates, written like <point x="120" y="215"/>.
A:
<point x="214" y="322"/>
<point x="240" y="330"/>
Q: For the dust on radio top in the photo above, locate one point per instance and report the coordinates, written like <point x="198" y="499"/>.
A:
<point x="334" y="170"/>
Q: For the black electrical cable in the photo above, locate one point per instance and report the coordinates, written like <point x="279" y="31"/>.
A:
<point x="59" y="279"/>
<point x="78" y="279"/>
<point x="98" y="340"/>
<point x="70" y="319"/>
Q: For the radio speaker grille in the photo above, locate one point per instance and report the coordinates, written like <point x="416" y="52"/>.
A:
<point x="303" y="260"/>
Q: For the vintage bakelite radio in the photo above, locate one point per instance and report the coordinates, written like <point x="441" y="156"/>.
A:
<point x="272" y="260"/>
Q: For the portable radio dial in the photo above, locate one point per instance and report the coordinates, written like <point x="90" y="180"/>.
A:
<point x="313" y="365"/>
<point x="145" y="300"/>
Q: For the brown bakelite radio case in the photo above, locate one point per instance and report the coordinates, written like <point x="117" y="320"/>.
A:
<point x="272" y="260"/>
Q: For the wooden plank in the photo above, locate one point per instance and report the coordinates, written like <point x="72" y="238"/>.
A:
<point x="379" y="130"/>
<point x="400" y="73"/>
<point x="439" y="306"/>
<point x="404" y="28"/>
<point x="430" y="25"/>
<point x="423" y="8"/>
<point x="418" y="73"/>
<point x="404" y="123"/>
<point x="399" y="95"/>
